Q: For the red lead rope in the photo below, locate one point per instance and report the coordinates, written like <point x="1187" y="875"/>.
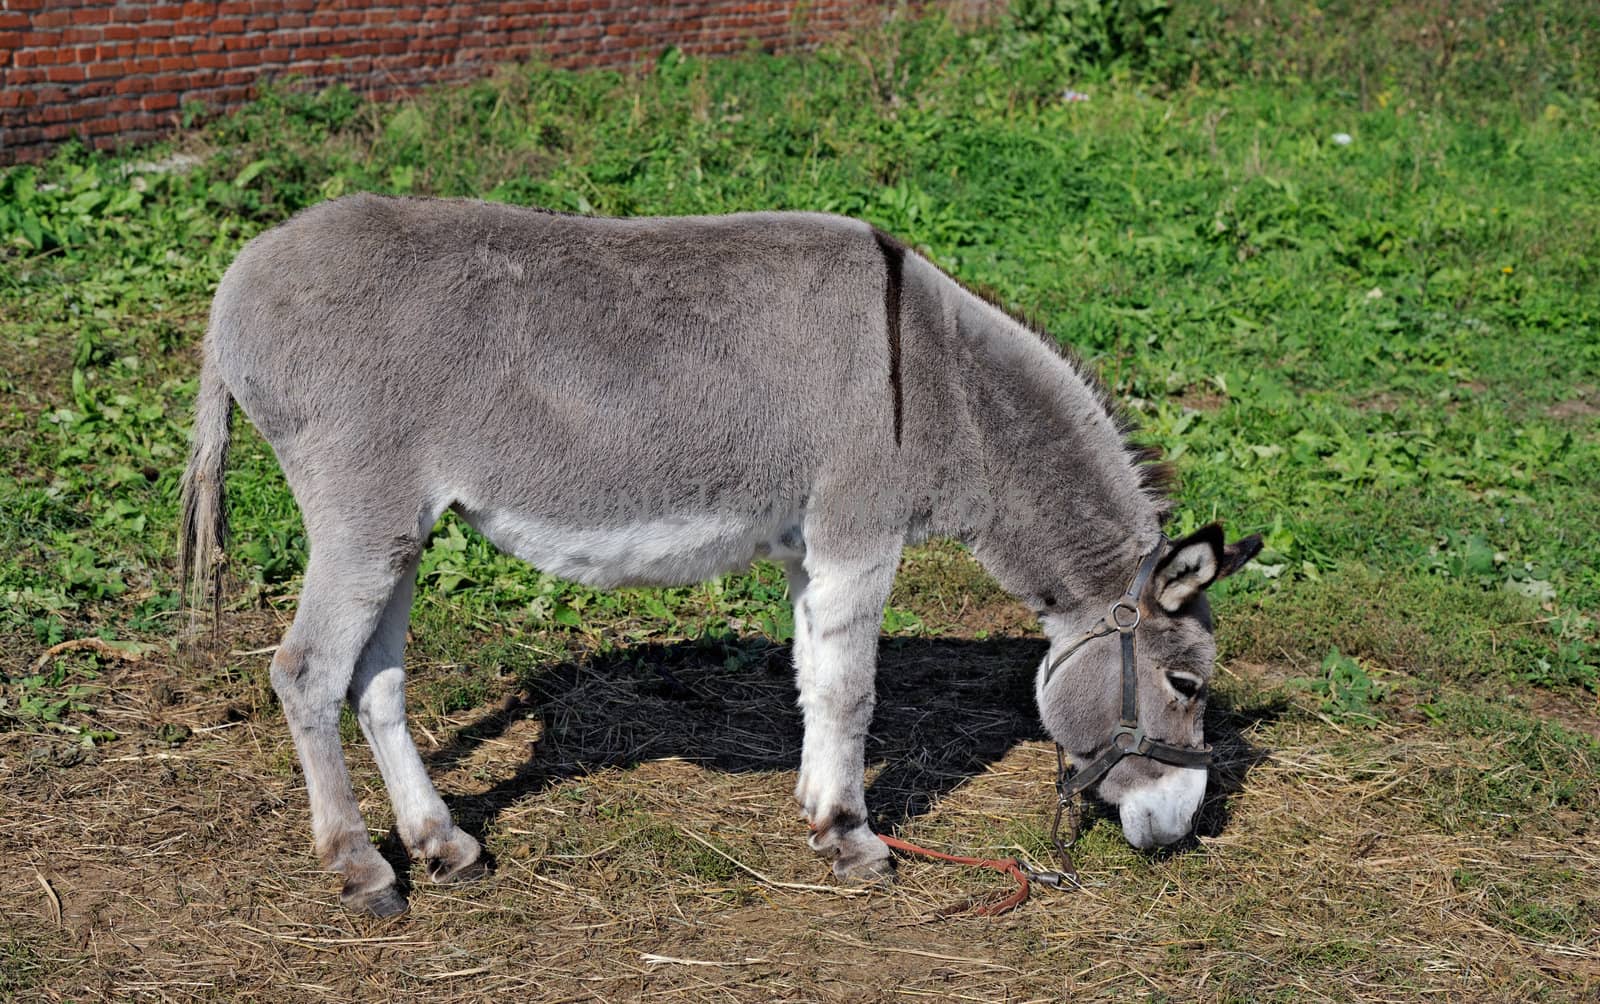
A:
<point x="1011" y="866"/>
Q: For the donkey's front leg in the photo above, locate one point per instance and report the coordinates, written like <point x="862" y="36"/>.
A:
<point x="838" y="609"/>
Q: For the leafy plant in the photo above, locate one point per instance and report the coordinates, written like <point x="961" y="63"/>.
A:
<point x="1347" y="690"/>
<point x="46" y="698"/>
<point x="1095" y="32"/>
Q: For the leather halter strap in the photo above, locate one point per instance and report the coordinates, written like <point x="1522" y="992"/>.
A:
<point x="1123" y="617"/>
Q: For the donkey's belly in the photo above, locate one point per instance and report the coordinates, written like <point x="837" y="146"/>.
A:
<point x="663" y="551"/>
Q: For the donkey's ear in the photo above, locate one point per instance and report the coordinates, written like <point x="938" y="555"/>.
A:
<point x="1238" y="553"/>
<point x="1192" y="564"/>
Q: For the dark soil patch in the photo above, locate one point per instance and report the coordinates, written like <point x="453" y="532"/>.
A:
<point x="1199" y="397"/>
<point x="1579" y="713"/>
<point x="1583" y="407"/>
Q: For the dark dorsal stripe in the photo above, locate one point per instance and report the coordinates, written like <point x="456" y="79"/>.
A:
<point x="894" y="262"/>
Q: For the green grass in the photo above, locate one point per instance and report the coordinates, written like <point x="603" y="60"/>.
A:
<point x="1384" y="356"/>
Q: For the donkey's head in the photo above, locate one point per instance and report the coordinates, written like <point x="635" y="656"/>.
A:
<point x="1134" y="713"/>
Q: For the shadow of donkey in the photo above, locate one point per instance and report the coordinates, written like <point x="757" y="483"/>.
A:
<point x="946" y="710"/>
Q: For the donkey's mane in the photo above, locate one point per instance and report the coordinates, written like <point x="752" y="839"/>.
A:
<point x="1158" y="478"/>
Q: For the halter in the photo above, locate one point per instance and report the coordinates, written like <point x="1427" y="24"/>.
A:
<point x="1129" y="739"/>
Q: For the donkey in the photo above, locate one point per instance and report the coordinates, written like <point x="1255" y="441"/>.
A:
<point x="655" y="402"/>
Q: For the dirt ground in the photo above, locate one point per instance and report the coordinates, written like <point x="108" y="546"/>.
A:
<point x="646" y="847"/>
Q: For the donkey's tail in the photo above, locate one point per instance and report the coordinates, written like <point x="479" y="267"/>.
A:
<point x="203" y="530"/>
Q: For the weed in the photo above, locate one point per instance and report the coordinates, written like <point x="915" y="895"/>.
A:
<point x="46" y="698"/>
<point x="1347" y="690"/>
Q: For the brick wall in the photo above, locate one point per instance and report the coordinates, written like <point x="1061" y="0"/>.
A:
<point x="116" y="72"/>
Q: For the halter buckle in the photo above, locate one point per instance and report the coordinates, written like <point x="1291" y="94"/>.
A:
<point x="1118" y="616"/>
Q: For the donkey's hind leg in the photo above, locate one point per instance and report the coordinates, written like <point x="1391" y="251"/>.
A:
<point x="377" y="693"/>
<point x="838" y="603"/>
<point x="340" y="606"/>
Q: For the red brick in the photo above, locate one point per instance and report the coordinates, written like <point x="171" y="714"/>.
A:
<point x="193" y="32"/>
<point x="158" y="102"/>
<point x="53" y="113"/>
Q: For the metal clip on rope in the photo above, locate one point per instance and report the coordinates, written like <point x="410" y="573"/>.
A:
<point x="1014" y="867"/>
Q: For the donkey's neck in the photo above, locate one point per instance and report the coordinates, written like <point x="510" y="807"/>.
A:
<point x="1050" y="496"/>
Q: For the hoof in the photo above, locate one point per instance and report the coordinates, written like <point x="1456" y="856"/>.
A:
<point x="445" y="873"/>
<point x="452" y="855"/>
<point x="858" y="855"/>
<point x="382" y="902"/>
<point x="864" y="870"/>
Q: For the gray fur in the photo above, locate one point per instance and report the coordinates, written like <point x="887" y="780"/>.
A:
<point x="655" y="401"/>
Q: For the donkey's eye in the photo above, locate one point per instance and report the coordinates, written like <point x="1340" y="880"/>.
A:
<point x="1187" y="686"/>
